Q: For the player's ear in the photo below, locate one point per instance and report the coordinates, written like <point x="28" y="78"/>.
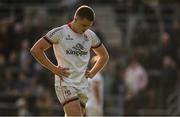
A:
<point x="75" y="19"/>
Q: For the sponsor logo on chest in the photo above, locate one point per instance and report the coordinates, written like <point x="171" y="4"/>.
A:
<point x="77" y="50"/>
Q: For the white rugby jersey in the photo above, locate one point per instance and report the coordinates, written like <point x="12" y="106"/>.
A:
<point x="72" y="50"/>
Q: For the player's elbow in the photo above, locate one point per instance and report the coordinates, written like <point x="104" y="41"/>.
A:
<point x="33" y="51"/>
<point x="106" y="57"/>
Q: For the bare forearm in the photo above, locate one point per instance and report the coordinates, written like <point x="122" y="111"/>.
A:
<point x="99" y="65"/>
<point x="101" y="61"/>
<point x="43" y="60"/>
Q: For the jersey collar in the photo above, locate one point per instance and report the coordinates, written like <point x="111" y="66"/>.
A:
<point x="70" y="26"/>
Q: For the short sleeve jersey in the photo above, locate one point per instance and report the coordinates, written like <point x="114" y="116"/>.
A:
<point x="72" y="50"/>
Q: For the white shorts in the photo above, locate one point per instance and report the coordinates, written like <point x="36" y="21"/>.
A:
<point x="67" y="94"/>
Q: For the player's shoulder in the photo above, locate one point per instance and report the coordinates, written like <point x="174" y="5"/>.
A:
<point x="59" y="28"/>
<point x="89" y="31"/>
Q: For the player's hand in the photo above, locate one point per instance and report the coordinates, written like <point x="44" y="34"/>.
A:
<point x="88" y="74"/>
<point x="61" y="72"/>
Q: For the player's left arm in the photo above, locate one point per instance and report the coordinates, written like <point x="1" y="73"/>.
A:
<point x="102" y="60"/>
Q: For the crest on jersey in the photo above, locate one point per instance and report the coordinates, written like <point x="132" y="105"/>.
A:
<point x="69" y="38"/>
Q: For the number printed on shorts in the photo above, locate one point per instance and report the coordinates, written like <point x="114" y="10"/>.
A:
<point x="67" y="92"/>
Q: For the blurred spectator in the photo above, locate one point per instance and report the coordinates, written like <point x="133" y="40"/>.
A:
<point x="4" y="41"/>
<point x="175" y="32"/>
<point x="9" y="83"/>
<point x="118" y="81"/>
<point x="22" y="107"/>
<point x="40" y="17"/>
<point x="141" y="38"/>
<point x="18" y="34"/>
<point x="22" y="83"/>
<point x="167" y="47"/>
<point x="13" y="61"/>
<point x="134" y="15"/>
<point x="136" y="80"/>
<point x="169" y="78"/>
<point x="44" y="104"/>
<point x="136" y="77"/>
<point x="168" y="13"/>
<point x="2" y="62"/>
<point x="119" y="88"/>
<point x="175" y="36"/>
<point x="25" y="57"/>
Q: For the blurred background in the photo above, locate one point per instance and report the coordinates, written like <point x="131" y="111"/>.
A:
<point x="142" y="37"/>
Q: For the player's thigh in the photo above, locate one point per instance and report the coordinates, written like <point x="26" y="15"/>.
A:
<point x="73" y="108"/>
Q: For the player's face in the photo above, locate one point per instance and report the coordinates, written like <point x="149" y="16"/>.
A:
<point x="83" y="24"/>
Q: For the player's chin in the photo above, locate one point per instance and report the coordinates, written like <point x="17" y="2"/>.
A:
<point x="83" y="31"/>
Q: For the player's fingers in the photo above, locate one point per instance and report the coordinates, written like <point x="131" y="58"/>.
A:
<point x="62" y="69"/>
<point x="65" y="74"/>
<point x="61" y="77"/>
<point x="65" y="68"/>
<point x="87" y="74"/>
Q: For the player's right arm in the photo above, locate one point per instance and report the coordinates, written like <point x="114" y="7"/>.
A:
<point x="38" y="52"/>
